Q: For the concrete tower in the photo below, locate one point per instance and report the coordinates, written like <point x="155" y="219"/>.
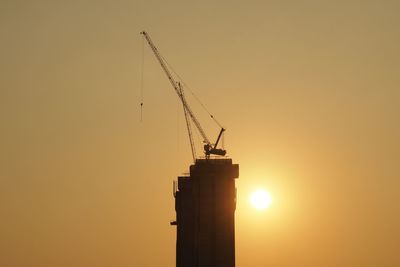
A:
<point x="205" y="204"/>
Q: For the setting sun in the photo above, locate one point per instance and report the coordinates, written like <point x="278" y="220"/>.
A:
<point x="261" y="199"/>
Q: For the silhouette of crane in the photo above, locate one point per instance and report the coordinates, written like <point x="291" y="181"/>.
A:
<point x="209" y="148"/>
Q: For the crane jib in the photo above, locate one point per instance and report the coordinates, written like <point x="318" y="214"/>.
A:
<point x="208" y="147"/>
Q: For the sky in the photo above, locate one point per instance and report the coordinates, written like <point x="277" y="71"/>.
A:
<point x="309" y="92"/>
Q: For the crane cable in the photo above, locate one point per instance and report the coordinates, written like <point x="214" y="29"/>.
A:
<point x="142" y="83"/>
<point x="191" y="91"/>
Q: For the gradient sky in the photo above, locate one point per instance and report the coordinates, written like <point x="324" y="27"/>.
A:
<point x="309" y="92"/>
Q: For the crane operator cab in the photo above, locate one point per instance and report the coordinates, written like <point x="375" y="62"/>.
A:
<point x="208" y="150"/>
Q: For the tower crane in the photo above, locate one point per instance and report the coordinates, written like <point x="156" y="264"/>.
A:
<point x="209" y="148"/>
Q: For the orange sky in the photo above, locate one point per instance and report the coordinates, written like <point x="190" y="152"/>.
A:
<point x="308" y="91"/>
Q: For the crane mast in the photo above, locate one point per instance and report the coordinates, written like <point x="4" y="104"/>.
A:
<point x="208" y="147"/>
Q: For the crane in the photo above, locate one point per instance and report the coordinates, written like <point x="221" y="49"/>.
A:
<point x="209" y="148"/>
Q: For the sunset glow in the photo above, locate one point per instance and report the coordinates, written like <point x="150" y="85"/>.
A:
<point x="261" y="199"/>
<point x="95" y="137"/>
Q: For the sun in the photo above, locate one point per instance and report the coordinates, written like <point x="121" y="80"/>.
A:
<point x="261" y="199"/>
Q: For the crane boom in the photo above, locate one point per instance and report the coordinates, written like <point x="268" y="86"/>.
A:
<point x="175" y="86"/>
<point x="189" y="128"/>
<point x="208" y="147"/>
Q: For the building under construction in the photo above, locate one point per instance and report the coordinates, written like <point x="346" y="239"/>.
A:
<point x="205" y="205"/>
<point x="205" y="201"/>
